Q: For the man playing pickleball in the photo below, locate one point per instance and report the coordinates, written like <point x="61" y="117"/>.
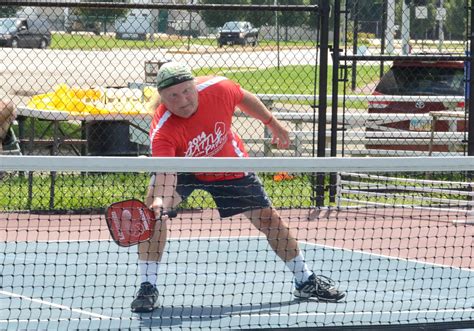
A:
<point x="193" y="119"/>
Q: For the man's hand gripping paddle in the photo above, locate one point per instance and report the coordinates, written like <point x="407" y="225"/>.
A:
<point x="131" y="222"/>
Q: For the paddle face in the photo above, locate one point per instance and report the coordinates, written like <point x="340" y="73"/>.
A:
<point x="130" y="222"/>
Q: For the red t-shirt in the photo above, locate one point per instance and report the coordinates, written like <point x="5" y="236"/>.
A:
<point x="207" y="133"/>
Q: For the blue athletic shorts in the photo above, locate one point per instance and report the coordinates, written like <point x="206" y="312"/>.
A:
<point x="232" y="197"/>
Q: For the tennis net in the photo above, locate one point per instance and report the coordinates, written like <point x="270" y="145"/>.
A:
<point x="392" y="236"/>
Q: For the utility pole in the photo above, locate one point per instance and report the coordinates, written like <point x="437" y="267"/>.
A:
<point x="406" y="26"/>
<point x="277" y="34"/>
<point x="390" y="29"/>
<point x="440" y="17"/>
<point x="355" y="41"/>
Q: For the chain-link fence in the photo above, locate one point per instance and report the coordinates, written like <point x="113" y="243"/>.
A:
<point x="403" y="78"/>
<point x="399" y="77"/>
<point x="396" y="82"/>
<point x="82" y="78"/>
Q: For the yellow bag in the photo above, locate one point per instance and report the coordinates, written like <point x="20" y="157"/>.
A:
<point x="93" y="101"/>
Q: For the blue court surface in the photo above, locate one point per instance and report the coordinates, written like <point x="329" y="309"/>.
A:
<point x="219" y="283"/>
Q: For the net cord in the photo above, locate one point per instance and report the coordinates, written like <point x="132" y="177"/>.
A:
<point x="256" y="164"/>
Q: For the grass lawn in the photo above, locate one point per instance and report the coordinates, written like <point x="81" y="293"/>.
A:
<point x="95" y="191"/>
<point x="83" y="41"/>
<point x="293" y="79"/>
<point x="104" y="42"/>
<point x="283" y="80"/>
<point x="86" y="191"/>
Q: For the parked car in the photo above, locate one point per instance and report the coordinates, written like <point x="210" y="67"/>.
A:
<point x="22" y="32"/>
<point x="418" y="78"/>
<point x="237" y="32"/>
<point x="79" y="24"/>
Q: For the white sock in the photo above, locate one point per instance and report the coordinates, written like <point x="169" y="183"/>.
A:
<point x="149" y="271"/>
<point x="299" y="268"/>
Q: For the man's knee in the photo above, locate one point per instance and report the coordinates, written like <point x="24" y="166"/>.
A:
<point x="265" y="218"/>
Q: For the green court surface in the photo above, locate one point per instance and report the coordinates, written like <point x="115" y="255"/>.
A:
<point x="220" y="283"/>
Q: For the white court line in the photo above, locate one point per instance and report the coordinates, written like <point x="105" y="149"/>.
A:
<point x="240" y="314"/>
<point x="300" y="241"/>
<point x="49" y="320"/>
<point x="334" y="248"/>
<point x="326" y="314"/>
<point x="55" y="305"/>
<point x="390" y="257"/>
<point x="409" y="312"/>
<point x="325" y="246"/>
<point x="371" y="313"/>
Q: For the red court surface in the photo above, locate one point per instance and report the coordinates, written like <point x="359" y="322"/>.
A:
<point x="424" y="235"/>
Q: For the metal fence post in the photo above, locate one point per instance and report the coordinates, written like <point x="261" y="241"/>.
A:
<point x="323" y="90"/>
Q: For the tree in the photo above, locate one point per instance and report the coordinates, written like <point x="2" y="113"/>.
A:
<point x="368" y="13"/>
<point x="291" y="18"/>
<point x="455" y="23"/>
<point x="100" y="15"/>
<point x="313" y="17"/>
<point x="8" y="11"/>
<point x="419" y="28"/>
<point x="258" y="17"/>
<point x="217" y="18"/>
<point x="370" y="10"/>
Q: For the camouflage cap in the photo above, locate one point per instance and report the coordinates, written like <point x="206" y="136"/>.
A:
<point x="172" y="73"/>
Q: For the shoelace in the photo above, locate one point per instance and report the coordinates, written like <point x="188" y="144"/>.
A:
<point x="145" y="291"/>
<point x="324" y="283"/>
